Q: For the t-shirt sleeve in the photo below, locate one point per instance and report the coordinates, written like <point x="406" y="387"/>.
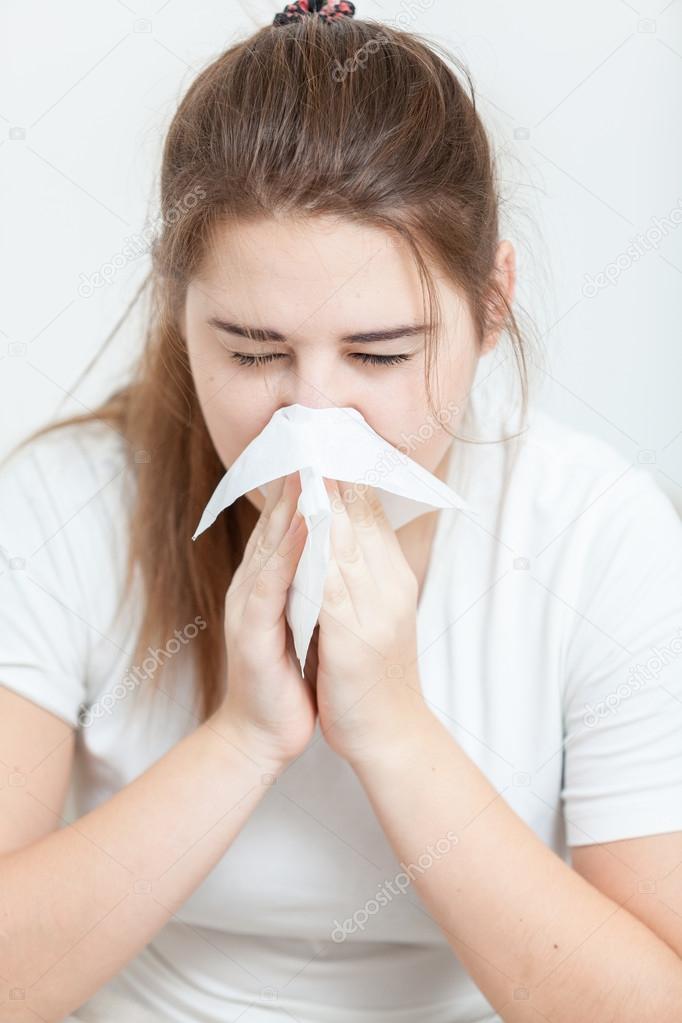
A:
<point x="44" y="630"/>
<point x="623" y="682"/>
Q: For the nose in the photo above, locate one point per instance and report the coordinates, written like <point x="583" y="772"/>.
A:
<point x="314" y="388"/>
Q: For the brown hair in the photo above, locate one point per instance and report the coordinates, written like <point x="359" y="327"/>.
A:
<point x="353" y="119"/>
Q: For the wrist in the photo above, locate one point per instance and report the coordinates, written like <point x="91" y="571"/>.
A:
<point x="245" y="743"/>
<point x="407" y="745"/>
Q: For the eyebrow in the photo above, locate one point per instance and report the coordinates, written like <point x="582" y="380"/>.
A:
<point x="363" y="337"/>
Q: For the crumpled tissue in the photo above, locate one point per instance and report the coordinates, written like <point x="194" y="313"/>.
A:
<point x="337" y="444"/>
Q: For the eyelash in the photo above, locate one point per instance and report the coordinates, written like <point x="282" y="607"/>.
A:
<point x="364" y="357"/>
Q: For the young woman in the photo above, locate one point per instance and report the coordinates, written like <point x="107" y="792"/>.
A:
<point x="470" y="808"/>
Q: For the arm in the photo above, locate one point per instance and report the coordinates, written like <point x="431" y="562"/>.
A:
<point x="538" y="939"/>
<point x="81" y="902"/>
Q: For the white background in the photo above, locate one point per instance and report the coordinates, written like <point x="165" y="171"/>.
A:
<point x="583" y="102"/>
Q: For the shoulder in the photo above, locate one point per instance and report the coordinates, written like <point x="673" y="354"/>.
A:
<point x="568" y="455"/>
<point x="610" y="550"/>
<point x="63" y="498"/>
<point x="83" y="452"/>
<point x="591" y="523"/>
<point x="586" y="483"/>
<point x="60" y="469"/>
<point x="63" y="519"/>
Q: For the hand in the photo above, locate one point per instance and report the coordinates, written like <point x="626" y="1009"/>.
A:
<point x="368" y="686"/>
<point x="268" y="708"/>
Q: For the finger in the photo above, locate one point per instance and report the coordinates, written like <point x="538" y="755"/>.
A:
<point x="275" y="561"/>
<point x="276" y="491"/>
<point x="267" y="534"/>
<point x="336" y="600"/>
<point x="273" y="492"/>
<point x="373" y="531"/>
<point x="350" y="559"/>
<point x="273" y="524"/>
<point x="367" y="512"/>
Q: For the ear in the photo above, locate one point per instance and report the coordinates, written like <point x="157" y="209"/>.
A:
<point x="505" y="277"/>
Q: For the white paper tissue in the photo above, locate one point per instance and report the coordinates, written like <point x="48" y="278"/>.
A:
<point x="336" y="444"/>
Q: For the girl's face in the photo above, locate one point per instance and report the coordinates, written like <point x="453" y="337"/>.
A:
<point x="327" y="305"/>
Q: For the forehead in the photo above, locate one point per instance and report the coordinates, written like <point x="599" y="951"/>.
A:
<point x="323" y="268"/>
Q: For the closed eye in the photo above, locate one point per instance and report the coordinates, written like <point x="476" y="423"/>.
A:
<point x="365" y="357"/>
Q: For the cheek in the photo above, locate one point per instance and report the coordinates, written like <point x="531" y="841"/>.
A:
<point x="408" y="421"/>
<point x="234" y="414"/>
<point x="228" y="419"/>
<point x="223" y="400"/>
<point x="424" y="441"/>
<point x="230" y="427"/>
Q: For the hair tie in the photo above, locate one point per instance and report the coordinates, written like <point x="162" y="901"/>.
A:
<point x="328" y="11"/>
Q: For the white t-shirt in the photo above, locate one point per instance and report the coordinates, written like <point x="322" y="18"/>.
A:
<point x="550" y="634"/>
